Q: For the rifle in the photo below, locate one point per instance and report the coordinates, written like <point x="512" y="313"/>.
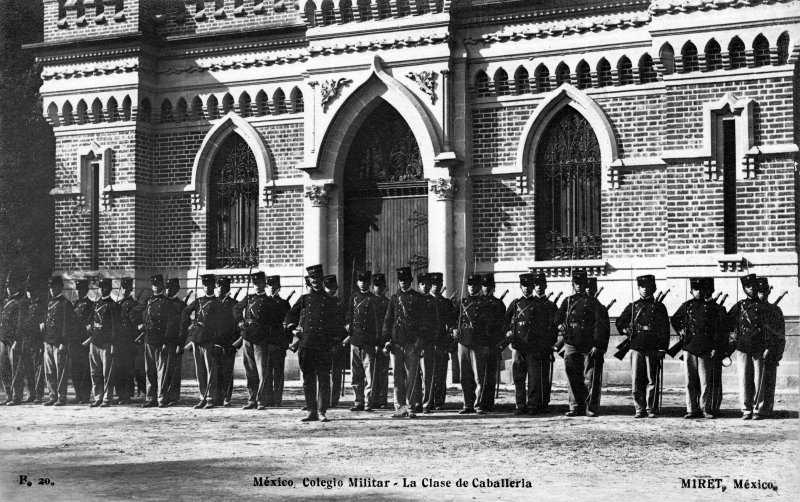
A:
<point x="599" y="291"/>
<point x="675" y="349"/>
<point x="453" y="295"/>
<point x="236" y="296"/>
<point x="722" y="302"/>
<point x="660" y="297"/>
<point x="612" y="302"/>
<point x="716" y="297"/>
<point x="291" y="295"/>
<point x="549" y="295"/>
<point x="625" y="345"/>
<point x="186" y="298"/>
<point x="503" y="295"/>
<point x="558" y="296"/>
<point x="780" y="298"/>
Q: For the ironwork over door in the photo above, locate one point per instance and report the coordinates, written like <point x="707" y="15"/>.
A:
<point x="233" y="206"/>
<point x="386" y="203"/>
<point x="568" y="190"/>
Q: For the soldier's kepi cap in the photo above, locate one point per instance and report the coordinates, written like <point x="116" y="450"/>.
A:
<point x="526" y="279"/>
<point x="646" y="280"/>
<point x="591" y="284"/>
<point x="223" y="281"/>
<point x="379" y="279"/>
<point x="474" y="280"/>
<point x="404" y="274"/>
<point x="208" y="280"/>
<point x="105" y="283"/>
<point x="363" y="275"/>
<point x="258" y="277"/>
<point x="173" y="282"/>
<point x="580" y="277"/>
<point x="157" y="280"/>
<point x="126" y="282"/>
<point x="748" y="280"/>
<point x="274" y="281"/>
<point x="762" y="284"/>
<point x="329" y="281"/>
<point x="436" y="277"/>
<point x="55" y="280"/>
<point x="314" y="271"/>
<point x="488" y="280"/>
<point x="82" y="284"/>
<point x="424" y="278"/>
<point x="702" y="283"/>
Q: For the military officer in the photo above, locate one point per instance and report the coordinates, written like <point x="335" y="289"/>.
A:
<point x="252" y="315"/>
<point x="125" y="349"/>
<point x="495" y="314"/>
<point x="12" y="342"/>
<point x="380" y="388"/>
<point x="775" y="331"/>
<point x="310" y="319"/>
<point x="701" y="325"/>
<point x="584" y="327"/>
<point x="646" y="324"/>
<point x="201" y="319"/>
<point x="32" y="357"/>
<point x="426" y="331"/>
<point x="79" y="353"/>
<point x="530" y="321"/>
<point x="154" y="322"/>
<point x="339" y="353"/>
<point x="58" y="327"/>
<point x="228" y="334"/>
<point x="472" y="336"/>
<point x="400" y="337"/>
<point x="363" y="327"/>
<point x="747" y="320"/>
<point x="103" y="334"/>
<point x="445" y="321"/>
<point x="277" y="341"/>
<point x="174" y="340"/>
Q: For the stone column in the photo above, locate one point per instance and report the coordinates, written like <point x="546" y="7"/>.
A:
<point x="440" y="230"/>
<point x="315" y="225"/>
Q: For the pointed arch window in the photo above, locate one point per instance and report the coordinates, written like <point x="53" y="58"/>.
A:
<point x="567" y="190"/>
<point x="233" y="208"/>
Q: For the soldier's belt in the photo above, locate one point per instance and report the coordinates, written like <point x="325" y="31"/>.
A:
<point x="644" y="328"/>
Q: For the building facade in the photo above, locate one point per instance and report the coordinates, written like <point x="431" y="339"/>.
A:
<point x="620" y="138"/>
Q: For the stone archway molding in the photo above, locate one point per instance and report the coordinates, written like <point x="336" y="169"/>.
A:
<point x="568" y="95"/>
<point x="328" y="160"/>
<point x="229" y="124"/>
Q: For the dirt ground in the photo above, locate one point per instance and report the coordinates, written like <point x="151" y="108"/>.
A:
<point x="130" y="453"/>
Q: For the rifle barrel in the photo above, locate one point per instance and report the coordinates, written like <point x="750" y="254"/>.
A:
<point x="777" y="301"/>
<point x="612" y="302"/>
<point x="599" y="291"/>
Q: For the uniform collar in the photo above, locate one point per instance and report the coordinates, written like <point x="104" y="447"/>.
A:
<point x="58" y="296"/>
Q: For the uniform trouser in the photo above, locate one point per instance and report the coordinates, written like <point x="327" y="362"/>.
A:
<point x="768" y="387"/>
<point x="580" y="369"/>
<point x="703" y="383"/>
<point x="225" y="365"/>
<point x="276" y="359"/>
<point x="139" y="369"/>
<point x="205" y="364"/>
<point x="79" y="371"/>
<point x="260" y="360"/>
<point x="32" y="369"/>
<point x="56" y="362"/>
<point x="492" y="362"/>
<point x="10" y="365"/>
<point x="406" y="364"/>
<point x="644" y="375"/>
<point x="251" y="370"/>
<point x="363" y="373"/>
<point x="101" y="361"/>
<point x="381" y="386"/>
<point x="423" y="382"/>
<point x="339" y="359"/>
<point x="174" y="375"/>
<point x="441" y="357"/>
<point x="750" y="368"/>
<point x="157" y="360"/>
<point x="532" y="370"/>
<point x="124" y="366"/>
<point x="316" y="367"/>
<point x="473" y="375"/>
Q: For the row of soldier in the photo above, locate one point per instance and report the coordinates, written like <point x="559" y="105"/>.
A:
<point x="95" y="343"/>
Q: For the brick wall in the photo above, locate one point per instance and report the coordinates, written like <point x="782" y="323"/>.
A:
<point x="285" y="145"/>
<point x="502" y="221"/>
<point x="74" y="26"/>
<point x="173" y="155"/>
<point x="638" y="122"/>
<point x="245" y="19"/>
<point x="280" y="236"/>
<point x="634" y="217"/>
<point x="765" y="208"/>
<point x="123" y="143"/>
<point x="495" y="134"/>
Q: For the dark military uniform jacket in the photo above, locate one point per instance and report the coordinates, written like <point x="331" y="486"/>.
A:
<point x="704" y="324"/>
<point x="362" y="316"/>
<point x="586" y="322"/>
<point x="84" y="310"/>
<point x="156" y="318"/>
<point x="404" y="319"/>
<point x="445" y="321"/>
<point x="12" y="318"/>
<point x="746" y="320"/>
<point x="228" y="331"/>
<point x="495" y="317"/>
<point x="532" y="322"/>
<point x="128" y="321"/>
<point x="650" y="322"/>
<point x="263" y="318"/>
<point x="204" y="328"/>
<point x="173" y="334"/>
<point x="775" y="329"/>
<point x="381" y="305"/>
<point x="59" y="320"/>
<point x="104" y="323"/>
<point x="471" y="322"/>
<point x="317" y="314"/>
<point x="33" y="318"/>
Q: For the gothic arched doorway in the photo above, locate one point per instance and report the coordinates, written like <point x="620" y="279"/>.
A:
<point x="385" y="198"/>
<point x="568" y="182"/>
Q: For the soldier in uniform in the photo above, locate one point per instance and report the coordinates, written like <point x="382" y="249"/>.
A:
<point x="339" y="353"/>
<point x="79" y="353"/>
<point x="155" y="321"/>
<point x="775" y="330"/>
<point x="228" y="334"/>
<point x="747" y="320"/>
<point x="253" y="315"/>
<point x="277" y="341"/>
<point x="363" y="326"/>
<point x="103" y="333"/>
<point x="58" y="327"/>
<point x="584" y="328"/>
<point x="125" y="349"/>
<point x="426" y="331"/>
<point x="471" y="334"/>
<point x="380" y="389"/>
<point x="495" y="314"/>
<point x="12" y="342"/>
<point x="445" y="321"/>
<point x="532" y="331"/>
<point x="646" y="324"/>
<point x="701" y="325"/>
<point x="310" y="318"/>
<point x="32" y="356"/>
<point x="174" y="340"/>
<point x="201" y="319"/>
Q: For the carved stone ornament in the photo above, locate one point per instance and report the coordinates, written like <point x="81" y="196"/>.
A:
<point x="426" y="80"/>
<point x="329" y="89"/>
<point x="319" y="195"/>
<point x="443" y="189"/>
